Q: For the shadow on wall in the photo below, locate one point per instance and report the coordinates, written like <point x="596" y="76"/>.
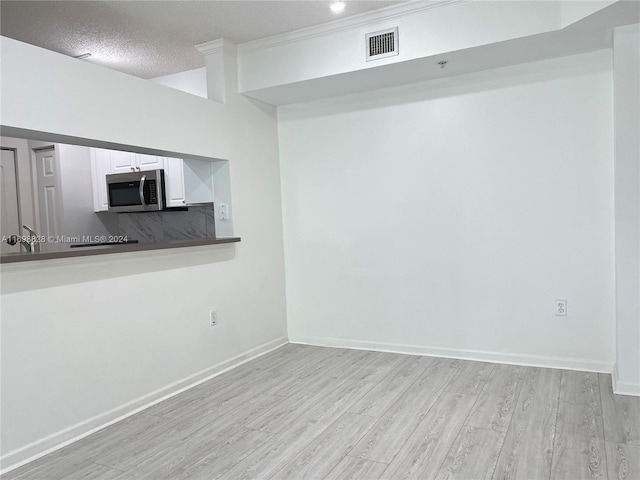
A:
<point x="29" y="276"/>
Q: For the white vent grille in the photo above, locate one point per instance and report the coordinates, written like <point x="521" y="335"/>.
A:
<point x="382" y="44"/>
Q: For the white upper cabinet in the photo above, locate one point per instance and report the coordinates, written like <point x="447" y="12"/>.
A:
<point x="149" y="162"/>
<point x="174" y="182"/>
<point x="119" y="162"/>
<point x="105" y="162"/>
<point x="100" y="168"/>
<point x="123" y="162"/>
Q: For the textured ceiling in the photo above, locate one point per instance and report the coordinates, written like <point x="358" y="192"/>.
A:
<point x="154" y="38"/>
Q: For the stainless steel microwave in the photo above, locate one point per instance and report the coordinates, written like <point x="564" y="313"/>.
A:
<point x="136" y="191"/>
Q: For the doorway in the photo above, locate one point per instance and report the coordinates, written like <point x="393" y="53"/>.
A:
<point x="10" y="223"/>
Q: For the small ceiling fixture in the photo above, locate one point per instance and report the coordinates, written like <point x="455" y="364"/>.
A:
<point x="337" y="6"/>
<point x="83" y="56"/>
<point x="443" y="63"/>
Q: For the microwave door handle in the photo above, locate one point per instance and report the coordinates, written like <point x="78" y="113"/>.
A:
<point x="141" y="190"/>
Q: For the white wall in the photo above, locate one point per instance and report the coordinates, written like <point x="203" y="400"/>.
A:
<point x="191" y="81"/>
<point x="87" y="340"/>
<point x="626" y="62"/>
<point x="109" y="106"/>
<point x="445" y="217"/>
<point x="77" y="196"/>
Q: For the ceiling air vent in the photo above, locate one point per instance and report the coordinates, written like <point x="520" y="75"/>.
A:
<point x="382" y="44"/>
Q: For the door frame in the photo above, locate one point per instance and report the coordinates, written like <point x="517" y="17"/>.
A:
<point x="18" y="204"/>
<point x="24" y="179"/>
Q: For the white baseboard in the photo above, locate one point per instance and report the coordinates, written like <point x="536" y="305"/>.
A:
<point x="44" y="446"/>
<point x="623" y="388"/>
<point x="627" y="388"/>
<point x="476" y="355"/>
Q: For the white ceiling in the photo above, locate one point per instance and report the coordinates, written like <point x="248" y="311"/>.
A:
<point x="154" y="38"/>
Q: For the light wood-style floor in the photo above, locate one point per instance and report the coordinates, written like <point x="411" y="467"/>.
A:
<point x="323" y="413"/>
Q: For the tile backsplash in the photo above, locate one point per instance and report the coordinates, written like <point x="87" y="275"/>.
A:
<point x="169" y="225"/>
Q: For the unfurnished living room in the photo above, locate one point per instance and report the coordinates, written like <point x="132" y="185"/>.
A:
<point x="320" y="240"/>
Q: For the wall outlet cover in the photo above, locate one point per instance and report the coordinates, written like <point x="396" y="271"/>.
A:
<point x="561" y="307"/>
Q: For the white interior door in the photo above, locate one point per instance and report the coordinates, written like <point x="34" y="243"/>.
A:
<point x="49" y="192"/>
<point x="9" y="214"/>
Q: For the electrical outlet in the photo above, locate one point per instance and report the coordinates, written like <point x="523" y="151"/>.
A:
<point x="224" y="211"/>
<point x="561" y="308"/>
<point x="213" y="318"/>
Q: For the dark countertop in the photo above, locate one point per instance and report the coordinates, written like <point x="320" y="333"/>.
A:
<point x="108" y="249"/>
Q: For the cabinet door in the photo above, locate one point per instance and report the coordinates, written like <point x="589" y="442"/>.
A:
<point x="174" y="182"/>
<point x="122" y="162"/>
<point x="149" y="162"/>
<point x="100" y="167"/>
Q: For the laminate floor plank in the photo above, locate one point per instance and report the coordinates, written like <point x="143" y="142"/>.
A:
<point x="268" y="365"/>
<point x="394" y="385"/>
<point x="216" y="390"/>
<point x="473" y="455"/>
<point x="528" y="446"/>
<point x="199" y="458"/>
<point x="218" y="412"/>
<point x="80" y="470"/>
<point x="352" y="468"/>
<point x="581" y="388"/>
<point x="61" y="463"/>
<point x="215" y="462"/>
<point x="449" y="362"/>
<point x="298" y="386"/>
<point x="235" y="380"/>
<point x="92" y="471"/>
<point x="272" y="456"/>
<point x="219" y="402"/>
<point x="265" y="363"/>
<point x="351" y="360"/>
<point x="578" y="449"/>
<point x="374" y="367"/>
<point x="623" y="461"/>
<point x="389" y="434"/>
<point x="294" y="437"/>
<point x="471" y="378"/>
<point x="166" y="451"/>
<point x="325" y="452"/>
<point x="314" y="361"/>
<point x="105" y="440"/>
<point x="427" y="447"/>
<point x="288" y="409"/>
<point x="621" y="414"/>
<point x="289" y="353"/>
<point x="335" y="403"/>
<point x="137" y="449"/>
<point x="313" y="373"/>
<point x="497" y="401"/>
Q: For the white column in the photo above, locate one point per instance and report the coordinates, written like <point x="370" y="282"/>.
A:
<point x="221" y="65"/>
<point x="626" y="72"/>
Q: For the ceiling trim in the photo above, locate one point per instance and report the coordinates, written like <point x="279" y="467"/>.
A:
<point x="347" y="23"/>
<point x="209" y="48"/>
<point x="215" y="46"/>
